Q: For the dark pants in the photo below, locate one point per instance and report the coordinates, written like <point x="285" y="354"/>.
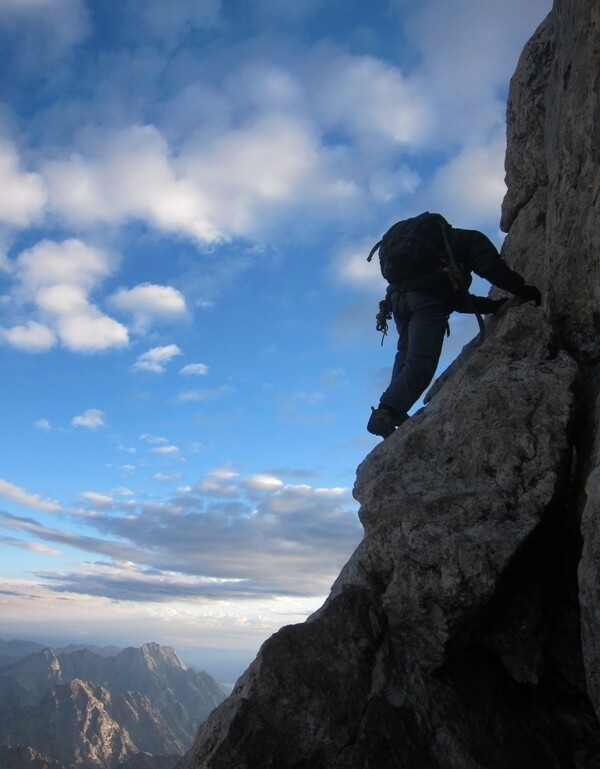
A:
<point x="421" y="321"/>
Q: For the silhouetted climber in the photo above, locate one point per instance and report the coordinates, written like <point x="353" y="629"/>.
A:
<point x="428" y="265"/>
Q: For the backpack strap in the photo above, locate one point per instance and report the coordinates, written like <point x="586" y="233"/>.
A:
<point x="372" y="251"/>
<point x="454" y="273"/>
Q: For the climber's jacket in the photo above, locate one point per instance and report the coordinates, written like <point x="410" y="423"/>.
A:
<point x="473" y="252"/>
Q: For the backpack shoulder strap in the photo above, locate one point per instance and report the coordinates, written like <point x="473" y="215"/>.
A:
<point x="372" y="251"/>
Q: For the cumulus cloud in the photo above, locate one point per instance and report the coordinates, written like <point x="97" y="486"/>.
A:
<point x="156" y="359"/>
<point x="31" y="336"/>
<point x="393" y="109"/>
<point x="70" y="263"/>
<point x="92" y="419"/>
<point x="254" y="171"/>
<point x="486" y="33"/>
<point x="22" y="193"/>
<point x="263" y="482"/>
<point x="148" y="302"/>
<point x="130" y="176"/>
<point x="57" y="279"/>
<point x="470" y="188"/>
<point x="350" y="267"/>
<point x="223" y="481"/>
<point x="230" y="155"/>
<point x="81" y="326"/>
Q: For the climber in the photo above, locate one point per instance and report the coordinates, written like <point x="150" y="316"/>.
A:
<point x="421" y="305"/>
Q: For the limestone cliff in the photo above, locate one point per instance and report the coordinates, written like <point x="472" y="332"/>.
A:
<point x="464" y="633"/>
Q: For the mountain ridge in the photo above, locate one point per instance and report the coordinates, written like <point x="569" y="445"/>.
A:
<point x="82" y="709"/>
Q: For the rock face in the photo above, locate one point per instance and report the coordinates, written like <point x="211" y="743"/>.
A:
<point x="17" y="757"/>
<point x="464" y="632"/>
<point x="85" y="710"/>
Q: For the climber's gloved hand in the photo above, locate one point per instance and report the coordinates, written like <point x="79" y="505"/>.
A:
<point x="487" y="306"/>
<point x="531" y="293"/>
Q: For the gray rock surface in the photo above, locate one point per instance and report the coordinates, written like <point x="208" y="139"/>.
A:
<point x="464" y="632"/>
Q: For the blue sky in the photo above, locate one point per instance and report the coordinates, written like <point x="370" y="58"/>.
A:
<point x="189" y="191"/>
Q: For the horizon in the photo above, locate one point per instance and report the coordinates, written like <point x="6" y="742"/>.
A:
<point x="188" y="319"/>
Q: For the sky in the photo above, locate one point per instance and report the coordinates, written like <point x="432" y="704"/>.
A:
<point x="189" y="191"/>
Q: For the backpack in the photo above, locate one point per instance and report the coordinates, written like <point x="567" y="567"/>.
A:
<point x="417" y="246"/>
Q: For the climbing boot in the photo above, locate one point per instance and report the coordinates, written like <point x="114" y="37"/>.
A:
<point x="381" y="422"/>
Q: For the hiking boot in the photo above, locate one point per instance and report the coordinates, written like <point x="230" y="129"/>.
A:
<point x="381" y="422"/>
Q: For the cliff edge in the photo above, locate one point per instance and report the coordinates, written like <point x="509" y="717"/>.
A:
<point x="464" y="632"/>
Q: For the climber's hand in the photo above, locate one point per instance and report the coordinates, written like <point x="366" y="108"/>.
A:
<point x="531" y="293"/>
<point x="487" y="306"/>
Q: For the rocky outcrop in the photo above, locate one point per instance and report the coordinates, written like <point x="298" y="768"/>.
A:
<point x="464" y="631"/>
<point x="18" y="757"/>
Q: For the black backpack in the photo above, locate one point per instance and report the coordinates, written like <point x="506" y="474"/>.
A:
<point x="417" y="246"/>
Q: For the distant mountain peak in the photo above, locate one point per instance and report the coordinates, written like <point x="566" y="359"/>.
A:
<point x="85" y="710"/>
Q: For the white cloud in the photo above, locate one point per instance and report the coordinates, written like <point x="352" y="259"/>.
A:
<point x="92" y="418"/>
<point x="168" y="450"/>
<point x="31" y="337"/>
<point x="130" y="177"/>
<point x="232" y="184"/>
<point x="57" y="278"/>
<point x="350" y="268"/>
<point x="22" y="194"/>
<point x="155" y="360"/>
<point x="470" y="188"/>
<point x="263" y="482"/>
<point x="148" y="302"/>
<point x="369" y="99"/>
<point x="221" y="482"/>
<point x="96" y="499"/>
<point x="43" y="424"/>
<point x="233" y="155"/>
<point x="388" y="184"/>
<point x="253" y="172"/>
<point x="196" y="369"/>
<point x="70" y="262"/>
<point x="22" y="497"/>
<point x="80" y="325"/>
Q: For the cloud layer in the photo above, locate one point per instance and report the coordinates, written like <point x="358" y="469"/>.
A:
<point x="231" y="537"/>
